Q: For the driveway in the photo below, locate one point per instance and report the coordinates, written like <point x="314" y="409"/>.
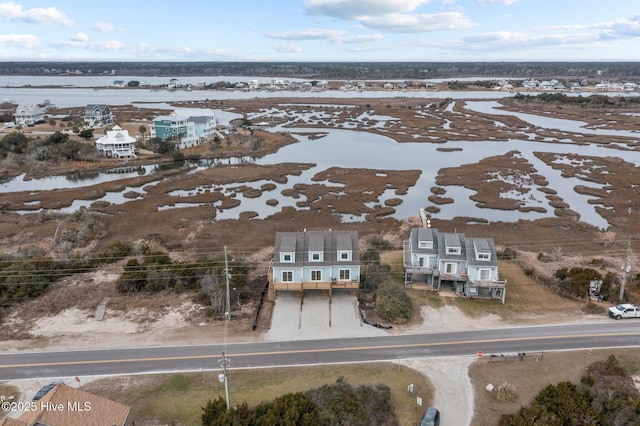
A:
<point x="293" y="321"/>
<point x="317" y="319"/>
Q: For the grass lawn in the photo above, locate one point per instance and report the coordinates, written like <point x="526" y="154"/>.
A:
<point x="179" y="397"/>
<point x="530" y="376"/>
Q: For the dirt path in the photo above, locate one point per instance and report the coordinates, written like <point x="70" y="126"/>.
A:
<point x="454" y="393"/>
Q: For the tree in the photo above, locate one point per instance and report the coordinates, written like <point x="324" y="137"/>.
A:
<point x="288" y="410"/>
<point x="142" y="130"/>
<point x="57" y="138"/>
<point x="86" y="134"/>
<point x="606" y="395"/>
<point x="215" y="413"/>
<point x="162" y="146"/>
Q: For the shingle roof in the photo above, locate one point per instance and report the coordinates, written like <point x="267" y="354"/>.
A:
<point x="327" y="242"/>
<point x="102" y="411"/>
<point x="8" y="421"/>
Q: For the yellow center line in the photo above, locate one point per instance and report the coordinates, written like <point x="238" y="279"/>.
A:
<point x="303" y="351"/>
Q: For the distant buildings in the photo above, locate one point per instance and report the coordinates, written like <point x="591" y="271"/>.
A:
<point x="29" y="114"/>
<point x="117" y="144"/>
<point x="97" y="115"/>
<point x="188" y="130"/>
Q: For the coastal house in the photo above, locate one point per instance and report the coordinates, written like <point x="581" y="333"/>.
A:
<point x="29" y="114"/>
<point x="188" y="130"/>
<point x="97" y="115"/>
<point x="117" y="144"/>
<point x="63" y="405"/>
<point x="469" y="266"/>
<point x="314" y="260"/>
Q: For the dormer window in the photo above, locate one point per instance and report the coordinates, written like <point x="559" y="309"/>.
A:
<point x="453" y="250"/>
<point x="287" y="257"/>
<point x="425" y="244"/>
<point x="483" y="256"/>
<point x="315" y="256"/>
<point x="344" y="255"/>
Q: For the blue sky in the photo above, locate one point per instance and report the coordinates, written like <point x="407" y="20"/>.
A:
<point x="320" y="30"/>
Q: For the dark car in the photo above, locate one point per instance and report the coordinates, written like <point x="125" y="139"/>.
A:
<point x="431" y="417"/>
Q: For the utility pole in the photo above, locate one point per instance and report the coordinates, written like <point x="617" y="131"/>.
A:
<point x="226" y="274"/>
<point x="626" y="268"/>
<point x="224" y="364"/>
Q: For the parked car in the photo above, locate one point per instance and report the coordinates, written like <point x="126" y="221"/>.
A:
<point x="431" y="417"/>
<point x="624" y="310"/>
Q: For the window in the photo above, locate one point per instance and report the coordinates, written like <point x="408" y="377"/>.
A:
<point x="344" y="255"/>
<point x="287" y="257"/>
<point x="345" y="274"/>
<point x="450" y="268"/>
<point x="483" y="256"/>
<point x="453" y="250"/>
<point x="316" y="275"/>
<point x="287" y="276"/>
<point x="425" y="244"/>
<point x="421" y="261"/>
<point x="484" y="274"/>
<point x="315" y="256"/>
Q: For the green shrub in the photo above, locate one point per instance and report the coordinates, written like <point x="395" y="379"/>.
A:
<point x="393" y="305"/>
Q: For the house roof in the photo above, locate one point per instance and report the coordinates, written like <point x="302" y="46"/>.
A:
<point x="448" y="240"/>
<point x="424" y="234"/>
<point x="102" y="411"/>
<point x="29" y="109"/>
<point x="481" y="245"/>
<point x="117" y="135"/>
<point x="103" y="108"/>
<point x="8" y="421"/>
<point x="327" y="242"/>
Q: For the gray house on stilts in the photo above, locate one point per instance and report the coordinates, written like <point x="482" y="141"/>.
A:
<point x="469" y="266"/>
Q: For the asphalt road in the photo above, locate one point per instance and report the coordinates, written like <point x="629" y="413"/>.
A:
<point x="30" y="365"/>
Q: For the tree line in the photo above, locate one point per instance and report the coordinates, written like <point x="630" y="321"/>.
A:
<point x="333" y="70"/>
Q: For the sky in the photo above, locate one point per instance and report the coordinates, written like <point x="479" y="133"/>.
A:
<point x="320" y="30"/>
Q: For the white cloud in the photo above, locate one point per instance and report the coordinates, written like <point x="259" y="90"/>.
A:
<point x="24" y="41"/>
<point x="406" y="23"/>
<point x="505" y="40"/>
<point x="360" y="39"/>
<point x="287" y="48"/>
<point x="336" y="36"/>
<point x="507" y="2"/>
<point x="313" y="34"/>
<point x="39" y="15"/>
<point x="103" y="27"/>
<point x="389" y="15"/>
<point x="352" y="9"/>
<point x="80" y="37"/>
<point x="108" y="45"/>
